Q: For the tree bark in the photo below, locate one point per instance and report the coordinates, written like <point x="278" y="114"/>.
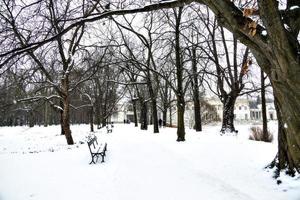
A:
<point x="66" y="111"/>
<point x="283" y="156"/>
<point x="154" y="116"/>
<point x="61" y="117"/>
<point x="164" y="117"/>
<point x="180" y="119"/>
<point x="265" y="137"/>
<point x="144" y="116"/>
<point x="228" y="114"/>
<point x="179" y="77"/>
<point x="92" y="118"/>
<point x="197" y="108"/>
<point x="287" y="94"/>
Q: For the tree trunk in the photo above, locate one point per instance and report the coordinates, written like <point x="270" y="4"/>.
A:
<point x="289" y="136"/>
<point x="170" y="116"/>
<point x="179" y="77"/>
<point x="61" y="118"/>
<point x="283" y="156"/>
<point x="164" y="117"/>
<point x="103" y="121"/>
<point x="154" y="116"/>
<point x="287" y="97"/>
<point x="144" y="120"/>
<point x="180" y="119"/>
<point x="197" y="113"/>
<point x="97" y="113"/>
<point x="263" y="108"/>
<point x="197" y="109"/>
<point x="103" y="116"/>
<point x="228" y="114"/>
<point x="286" y="91"/>
<point x="66" y="111"/>
<point x="92" y="118"/>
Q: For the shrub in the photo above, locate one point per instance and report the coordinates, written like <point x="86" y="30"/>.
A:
<point x="257" y="134"/>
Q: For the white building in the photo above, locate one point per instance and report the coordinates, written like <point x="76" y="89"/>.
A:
<point x="123" y="111"/>
<point x="246" y="109"/>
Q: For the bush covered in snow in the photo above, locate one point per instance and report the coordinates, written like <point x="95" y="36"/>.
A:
<point x="257" y="134"/>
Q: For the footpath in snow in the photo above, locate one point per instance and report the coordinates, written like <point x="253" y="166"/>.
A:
<point x="36" y="164"/>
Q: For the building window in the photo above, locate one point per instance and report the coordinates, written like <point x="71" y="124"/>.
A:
<point x="246" y="116"/>
<point x="271" y="116"/>
<point x="240" y="108"/>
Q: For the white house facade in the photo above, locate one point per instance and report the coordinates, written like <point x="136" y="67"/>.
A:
<point x="246" y="109"/>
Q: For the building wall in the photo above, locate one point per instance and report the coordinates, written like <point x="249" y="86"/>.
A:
<point x="123" y="112"/>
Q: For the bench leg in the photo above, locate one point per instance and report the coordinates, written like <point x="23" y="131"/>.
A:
<point x="102" y="155"/>
<point x="93" y="161"/>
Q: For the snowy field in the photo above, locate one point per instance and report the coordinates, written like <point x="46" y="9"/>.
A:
<point x="36" y="163"/>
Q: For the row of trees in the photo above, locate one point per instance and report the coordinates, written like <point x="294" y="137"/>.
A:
<point x="176" y="51"/>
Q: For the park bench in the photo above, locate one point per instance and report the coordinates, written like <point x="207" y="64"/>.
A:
<point x="96" y="149"/>
<point x="109" y="129"/>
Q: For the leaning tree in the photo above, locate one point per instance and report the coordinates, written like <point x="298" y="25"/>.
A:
<point x="271" y="33"/>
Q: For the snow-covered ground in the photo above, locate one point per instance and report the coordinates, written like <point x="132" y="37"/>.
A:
<point x="36" y="163"/>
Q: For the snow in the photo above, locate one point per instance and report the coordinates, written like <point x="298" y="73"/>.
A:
<point x="36" y="164"/>
<point x="287" y="27"/>
<point x="294" y="7"/>
<point x="264" y="33"/>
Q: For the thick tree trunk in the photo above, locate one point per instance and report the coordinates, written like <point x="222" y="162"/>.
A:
<point x="180" y="119"/>
<point x="286" y="84"/>
<point x="283" y="159"/>
<point x="197" y="115"/>
<point x="287" y="97"/>
<point x="228" y="114"/>
<point x="197" y="109"/>
<point x="179" y="77"/>
<point x="282" y="54"/>
<point x="144" y="119"/>
<point x="289" y="137"/>
<point x="66" y="111"/>
<point x="263" y="108"/>
<point x="103" y="122"/>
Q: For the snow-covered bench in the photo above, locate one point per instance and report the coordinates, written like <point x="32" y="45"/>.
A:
<point x="96" y="149"/>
